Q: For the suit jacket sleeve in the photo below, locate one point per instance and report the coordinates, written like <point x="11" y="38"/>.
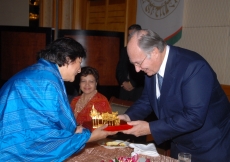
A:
<point x="122" y="69"/>
<point x="141" y="108"/>
<point x="125" y="68"/>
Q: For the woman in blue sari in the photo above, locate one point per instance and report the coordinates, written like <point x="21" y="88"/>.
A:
<point x="36" y="121"/>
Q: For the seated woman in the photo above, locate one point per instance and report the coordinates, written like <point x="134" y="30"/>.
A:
<point x="82" y="105"/>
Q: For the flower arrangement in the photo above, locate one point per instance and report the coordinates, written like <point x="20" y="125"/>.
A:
<point x="127" y="159"/>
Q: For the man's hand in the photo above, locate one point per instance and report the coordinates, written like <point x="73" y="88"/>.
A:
<point x="140" y="128"/>
<point x="100" y="133"/>
<point x="124" y="117"/>
<point x="127" y="86"/>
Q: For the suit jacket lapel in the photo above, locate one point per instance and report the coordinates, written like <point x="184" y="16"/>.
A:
<point x="168" y="75"/>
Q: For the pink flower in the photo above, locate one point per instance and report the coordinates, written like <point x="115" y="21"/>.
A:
<point x="127" y="159"/>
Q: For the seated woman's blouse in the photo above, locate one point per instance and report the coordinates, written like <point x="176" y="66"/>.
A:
<point x="100" y="103"/>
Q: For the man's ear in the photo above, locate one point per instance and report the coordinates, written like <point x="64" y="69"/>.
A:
<point x="155" y="52"/>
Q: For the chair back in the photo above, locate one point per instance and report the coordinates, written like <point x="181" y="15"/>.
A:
<point x="119" y="105"/>
<point x="226" y="89"/>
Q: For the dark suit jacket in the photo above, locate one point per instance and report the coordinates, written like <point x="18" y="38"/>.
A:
<point x="125" y="68"/>
<point x="194" y="112"/>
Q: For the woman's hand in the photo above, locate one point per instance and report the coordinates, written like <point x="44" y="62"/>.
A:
<point x="79" y="129"/>
<point x="100" y="133"/>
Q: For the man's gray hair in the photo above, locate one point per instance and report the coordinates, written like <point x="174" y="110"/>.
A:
<point x="148" y="40"/>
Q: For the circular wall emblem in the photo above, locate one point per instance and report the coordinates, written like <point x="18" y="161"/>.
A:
<point x="158" y="9"/>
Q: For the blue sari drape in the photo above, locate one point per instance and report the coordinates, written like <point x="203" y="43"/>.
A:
<point x="36" y="121"/>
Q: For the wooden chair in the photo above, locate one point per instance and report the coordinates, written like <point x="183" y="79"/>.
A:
<point x="119" y="105"/>
<point x="226" y="89"/>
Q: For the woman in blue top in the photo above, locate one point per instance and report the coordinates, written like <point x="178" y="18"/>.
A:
<point x="36" y="121"/>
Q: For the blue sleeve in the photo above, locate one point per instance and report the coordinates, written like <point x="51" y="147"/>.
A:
<point x="37" y="123"/>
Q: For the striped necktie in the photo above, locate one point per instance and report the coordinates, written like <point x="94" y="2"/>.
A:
<point x="160" y="80"/>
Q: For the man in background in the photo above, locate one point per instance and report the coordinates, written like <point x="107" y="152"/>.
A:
<point x="131" y="82"/>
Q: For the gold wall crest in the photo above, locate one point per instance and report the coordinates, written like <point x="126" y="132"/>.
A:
<point x="158" y="9"/>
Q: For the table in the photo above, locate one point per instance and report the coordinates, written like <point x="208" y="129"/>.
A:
<point x="96" y="153"/>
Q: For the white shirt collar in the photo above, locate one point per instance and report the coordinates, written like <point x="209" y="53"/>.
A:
<point x="163" y="65"/>
<point x="162" y="70"/>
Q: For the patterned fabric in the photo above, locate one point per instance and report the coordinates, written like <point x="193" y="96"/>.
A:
<point x="100" y="103"/>
<point x="36" y="121"/>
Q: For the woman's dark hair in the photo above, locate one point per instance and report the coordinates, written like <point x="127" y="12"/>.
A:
<point x="62" y="50"/>
<point x="90" y="71"/>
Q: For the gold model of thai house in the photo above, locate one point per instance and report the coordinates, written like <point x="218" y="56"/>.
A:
<point x="98" y="119"/>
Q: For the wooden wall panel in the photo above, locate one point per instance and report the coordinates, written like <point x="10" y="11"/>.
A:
<point x="96" y="18"/>
<point x="102" y="49"/>
<point x="103" y="58"/>
<point x="111" y="15"/>
<point x="18" y="50"/>
<point x="106" y="15"/>
<point x="19" y="47"/>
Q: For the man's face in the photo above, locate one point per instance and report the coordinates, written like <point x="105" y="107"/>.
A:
<point x="69" y="71"/>
<point x="149" y="64"/>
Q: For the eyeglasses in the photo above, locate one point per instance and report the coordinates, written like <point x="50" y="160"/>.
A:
<point x="139" y="64"/>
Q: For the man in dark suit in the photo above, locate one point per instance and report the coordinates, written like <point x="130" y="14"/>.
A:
<point x="192" y="109"/>
<point x="131" y="82"/>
